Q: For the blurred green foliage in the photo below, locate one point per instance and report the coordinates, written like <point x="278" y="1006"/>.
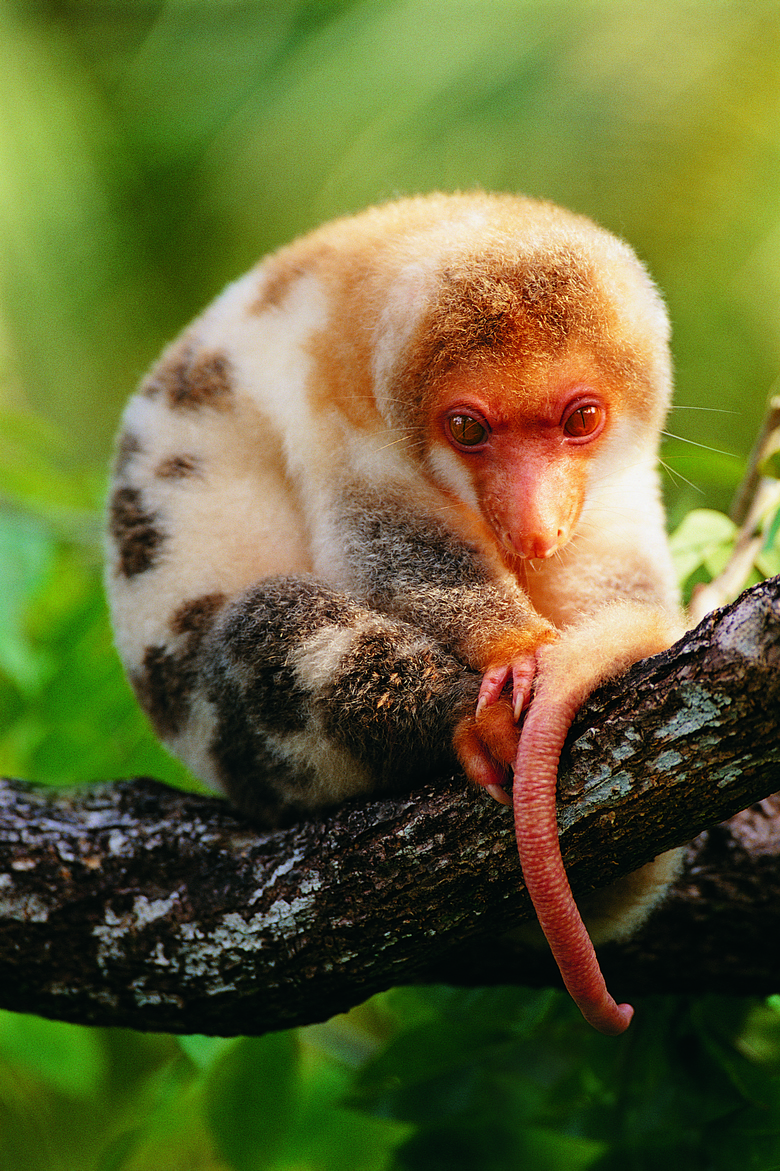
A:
<point x="418" y="1079"/>
<point x="150" y="150"/>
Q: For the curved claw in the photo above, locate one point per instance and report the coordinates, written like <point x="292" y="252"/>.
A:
<point x="499" y="794"/>
<point x="491" y="741"/>
<point x="522" y="672"/>
<point x="493" y="682"/>
<point x="479" y="746"/>
<point x="523" y="675"/>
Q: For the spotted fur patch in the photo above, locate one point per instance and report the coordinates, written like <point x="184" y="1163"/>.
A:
<point x="164" y="686"/>
<point x="388" y="703"/>
<point x="284" y="271"/>
<point x="167" y="678"/>
<point x="260" y="781"/>
<point x="177" y="467"/>
<point x="255" y="641"/>
<point x="196" y="616"/>
<point x="190" y="379"/>
<point x="136" y="531"/>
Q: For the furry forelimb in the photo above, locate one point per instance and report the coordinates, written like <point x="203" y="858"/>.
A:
<point x="132" y="904"/>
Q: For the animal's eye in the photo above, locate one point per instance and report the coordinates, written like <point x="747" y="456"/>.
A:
<point x="467" y="431"/>
<point x="583" y="421"/>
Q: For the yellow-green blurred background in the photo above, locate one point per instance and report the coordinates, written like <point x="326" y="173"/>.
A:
<point x="150" y="150"/>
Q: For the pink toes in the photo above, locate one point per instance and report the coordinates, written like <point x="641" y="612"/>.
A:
<point x="493" y="682"/>
<point x="521" y="671"/>
<point x="523" y="675"/>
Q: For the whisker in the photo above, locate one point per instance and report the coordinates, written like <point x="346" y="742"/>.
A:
<point x="395" y="442"/>
<point x="693" y="443"/>
<point x="677" y="476"/>
<point x="714" y="410"/>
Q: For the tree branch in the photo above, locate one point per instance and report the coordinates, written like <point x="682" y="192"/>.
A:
<point x="134" y="904"/>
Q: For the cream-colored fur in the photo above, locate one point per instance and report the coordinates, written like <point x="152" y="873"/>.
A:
<point x="300" y="426"/>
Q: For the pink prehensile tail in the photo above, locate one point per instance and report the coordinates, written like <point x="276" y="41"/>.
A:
<point x="536" y="774"/>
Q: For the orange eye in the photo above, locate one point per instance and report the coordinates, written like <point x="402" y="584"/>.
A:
<point x="467" y="431"/>
<point x="583" y="421"/>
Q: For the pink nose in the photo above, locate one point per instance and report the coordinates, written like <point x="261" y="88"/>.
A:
<point x="539" y="546"/>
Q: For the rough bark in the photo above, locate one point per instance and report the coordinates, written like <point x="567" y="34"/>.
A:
<point x="133" y="904"/>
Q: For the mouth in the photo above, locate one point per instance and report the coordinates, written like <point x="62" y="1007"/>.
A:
<point x="517" y="563"/>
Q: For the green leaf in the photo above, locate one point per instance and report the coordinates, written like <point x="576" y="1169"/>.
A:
<point x="749" y="1139"/>
<point x="773" y="528"/>
<point x="758" y="1038"/>
<point x="704" y="538"/>
<point x="459" y="1148"/>
<point x="731" y="1038"/>
<point x="119" y="1149"/>
<point x="204" y="1051"/>
<point x="69" y="1057"/>
<point x="252" y="1099"/>
<point x="547" y="1150"/>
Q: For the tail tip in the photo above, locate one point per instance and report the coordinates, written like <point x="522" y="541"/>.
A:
<point x="610" y="1019"/>
<point x="619" y="1021"/>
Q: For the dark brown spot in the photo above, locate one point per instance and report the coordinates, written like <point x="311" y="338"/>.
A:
<point x="168" y="678"/>
<point x="196" y="616"/>
<point x="191" y="379"/>
<point x="163" y="687"/>
<point x="135" y="530"/>
<point x="177" y="467"/>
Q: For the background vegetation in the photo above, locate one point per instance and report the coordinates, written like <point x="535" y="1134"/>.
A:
<point x="150" y="150"/>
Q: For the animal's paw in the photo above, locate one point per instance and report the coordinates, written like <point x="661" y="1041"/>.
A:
<point x="486" y="743"/>
<point x="521" y="670"/>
